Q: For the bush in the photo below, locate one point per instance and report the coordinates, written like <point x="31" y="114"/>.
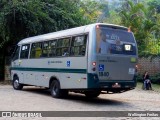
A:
<point x="139" y="78"/>
<point x="154" y="78"/>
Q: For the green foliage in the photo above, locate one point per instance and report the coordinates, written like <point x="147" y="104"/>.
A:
<point x="21" y="18"/>
<point x="143" y="18"/>
<point x="144" y="23"/>
<point x="91" y="9"/>
<point x="25" y="18"/>
<point x="154" y="78"/>
<point x="139" y="78"/>
<point x="155" y="4"/>
<point x="114" y="18"/>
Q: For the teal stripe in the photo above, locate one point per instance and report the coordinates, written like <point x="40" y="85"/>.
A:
<point x="83" y="71"/>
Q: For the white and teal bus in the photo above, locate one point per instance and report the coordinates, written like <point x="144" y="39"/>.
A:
<point x="87" y="59"/>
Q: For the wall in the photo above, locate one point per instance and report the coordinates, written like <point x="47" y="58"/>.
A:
<point x="152" y="65"/>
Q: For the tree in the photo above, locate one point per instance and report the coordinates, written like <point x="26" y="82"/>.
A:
<point x="25" y="18"/>
<point x="92" y="10"/>
<point x="155" y="4"/>
<point x="144" y="23"/>
<point x="134" y="16"/>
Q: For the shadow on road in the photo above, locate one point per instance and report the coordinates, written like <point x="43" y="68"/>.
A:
<point x="98" y="100"/>
<point x="76" y="97"/>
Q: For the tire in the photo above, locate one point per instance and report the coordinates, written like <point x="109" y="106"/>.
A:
<point x="92" y="94"/>
<point x="16" y="84"/>
<point x="56" y="91"/>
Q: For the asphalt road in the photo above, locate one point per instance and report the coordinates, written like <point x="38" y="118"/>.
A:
<point x="37" y="99"/>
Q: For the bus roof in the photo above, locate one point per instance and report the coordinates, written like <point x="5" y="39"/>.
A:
<point x="67" y="32"/>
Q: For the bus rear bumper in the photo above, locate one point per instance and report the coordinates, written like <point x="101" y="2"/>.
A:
<point x="117" y="86"/>
<point x="110" y="85"/>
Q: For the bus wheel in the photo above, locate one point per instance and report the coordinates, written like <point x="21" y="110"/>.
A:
<point x="92" y="94"/>
<point x="56" y="92"/>
<point x="16" y="84"/>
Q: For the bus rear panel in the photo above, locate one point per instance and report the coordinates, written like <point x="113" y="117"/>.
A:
<point x="112" y="67"/>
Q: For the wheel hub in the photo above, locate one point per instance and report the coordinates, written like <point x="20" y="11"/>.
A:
<point x="16" y="83"/>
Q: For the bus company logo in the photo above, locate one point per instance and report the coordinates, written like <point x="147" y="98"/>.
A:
<point x="6" y="114"/>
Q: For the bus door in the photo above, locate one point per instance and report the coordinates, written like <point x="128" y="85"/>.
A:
<point x="16" y="64"/>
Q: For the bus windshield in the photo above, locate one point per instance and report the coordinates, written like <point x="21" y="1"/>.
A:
<point x="115" y="41"/>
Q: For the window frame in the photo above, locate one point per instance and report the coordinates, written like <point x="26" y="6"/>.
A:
<point x="34" y="43"/>
<point x="79" y="46"/>
<point x="59" y="47"/>
<point x="28" y="45"/>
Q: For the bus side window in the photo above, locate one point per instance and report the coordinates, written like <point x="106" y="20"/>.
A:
<point x="78" y="45"/>
<point x="65" y="52"/>
<point x="36" y="50"/>
<point x="63" y="47"/>
<point x="24" y="51"/>
<point x="15" y="55"/>
<point x="52" y="48"/>
<point x="45" y="51"/>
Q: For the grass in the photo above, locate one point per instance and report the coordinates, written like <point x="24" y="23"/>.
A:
<point x="155" y="87"/>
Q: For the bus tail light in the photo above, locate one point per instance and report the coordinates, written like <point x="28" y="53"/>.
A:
<point x="97" y="26"/>
<point x="94" y="64"/>
<point x="136" y="67"/>
<point x="129" y="29"/>
<point x="84" y="78"/>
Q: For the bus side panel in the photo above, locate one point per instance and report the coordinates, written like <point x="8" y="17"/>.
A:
<point x="73" y="81"/>
<point x="19" y="74"/>
<point x="39" y="71"/>
<point x="16" y="72"/>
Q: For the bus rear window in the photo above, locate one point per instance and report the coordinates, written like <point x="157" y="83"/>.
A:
<point x="115" y="41"/>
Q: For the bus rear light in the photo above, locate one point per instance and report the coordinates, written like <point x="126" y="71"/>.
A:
<point x="97" y="26"/>
<point x="129" y="29"/>
<point x="136" y="68"/>
<point x="84" y="78"/>
<point x="94" y="63"/>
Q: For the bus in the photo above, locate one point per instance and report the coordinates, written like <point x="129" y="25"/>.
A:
<point x="90" y="59"/>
